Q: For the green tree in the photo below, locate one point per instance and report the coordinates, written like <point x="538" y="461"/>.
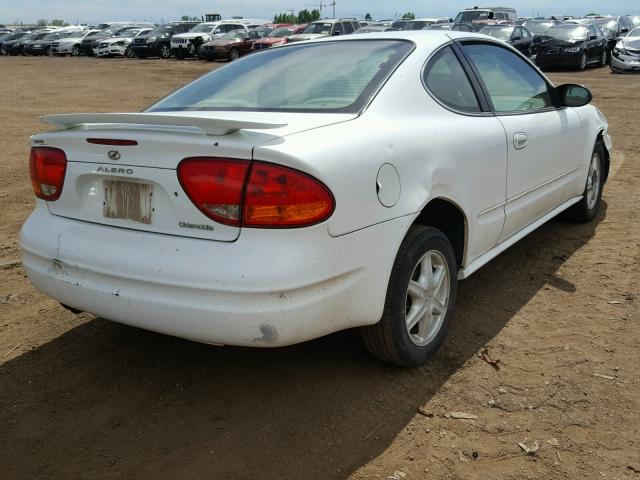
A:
<point x="42" y="22"/>
<point x="304" y="16"/>
<point x="315" y="15"/>
<point x="368" y="17"/>
<point x="285" y="18"/>
<point x="410" y="15"/>
<point x="59" y="23"/>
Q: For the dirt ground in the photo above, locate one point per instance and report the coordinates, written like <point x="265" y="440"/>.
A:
<point x="81" y="397"/>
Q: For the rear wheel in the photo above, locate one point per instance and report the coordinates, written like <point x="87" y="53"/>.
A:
<point x="75" y="51"/>
<point x="48" y="52"/>
<point x="234" y="54"/>
<point x="587" y="208"/>
<point x="419" y="302"/>
<point x="129" y="53"/>
<point x="165" y="51"/>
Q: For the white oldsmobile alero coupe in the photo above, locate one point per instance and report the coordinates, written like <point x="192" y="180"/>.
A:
<point x="312" y="188"/>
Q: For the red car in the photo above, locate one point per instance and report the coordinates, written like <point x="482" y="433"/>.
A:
<point x="230" y="46"/>
<point x="278" y="36"/>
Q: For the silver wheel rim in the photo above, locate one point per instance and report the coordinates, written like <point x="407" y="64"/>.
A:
<point x="583" y="61"/>
<point x="593" y="181"/>
<point x="164" y="51"/>
<point x="427" y="298"/>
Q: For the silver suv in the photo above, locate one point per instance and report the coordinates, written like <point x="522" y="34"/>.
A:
<point x="327" y="28"/>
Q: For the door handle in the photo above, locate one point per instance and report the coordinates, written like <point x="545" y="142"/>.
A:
<point x="520" y="141"/>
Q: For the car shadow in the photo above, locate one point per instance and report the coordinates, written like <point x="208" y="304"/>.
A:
<point x="105" y="400"/>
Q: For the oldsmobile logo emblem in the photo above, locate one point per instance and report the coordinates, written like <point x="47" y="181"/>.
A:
<point x="113" y="155"/>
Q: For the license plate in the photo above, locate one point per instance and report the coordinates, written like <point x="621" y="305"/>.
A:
<point x="128" y="201"/>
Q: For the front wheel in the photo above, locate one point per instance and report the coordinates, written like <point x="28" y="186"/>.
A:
<point x="129" y="53"/>
<point x="603" y="59"/>
<point x="420" y="300"/>
<point x="165" y="51"/>
<point x="234" y="54"/>
<point x="587" y="208"/>
<point x="583" y="61"/>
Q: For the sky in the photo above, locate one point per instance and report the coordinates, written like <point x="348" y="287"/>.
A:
<point x="95" y="11"/>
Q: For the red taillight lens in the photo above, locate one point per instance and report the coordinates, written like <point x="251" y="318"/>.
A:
<point x="47" y="167"/>
<point x="281" y="197"/>
<point x="237" y="192"/>
<point x="215" y="186"/>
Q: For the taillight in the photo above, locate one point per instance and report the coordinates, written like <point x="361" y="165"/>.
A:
<point x="215" y="186"/>
<point x="281" y="197"/>
<point x="47" y="167"/>
<point x="237" y="192"/>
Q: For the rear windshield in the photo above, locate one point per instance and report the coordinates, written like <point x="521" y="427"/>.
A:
<point x="538" y="28"/>
<point x="472" y="15"/>
<point x="347" y="74"/>
<point x="318" y="28"/>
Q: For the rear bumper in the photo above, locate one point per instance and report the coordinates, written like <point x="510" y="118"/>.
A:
<point x="625" y="63"/>
<point x="268" y="288"/>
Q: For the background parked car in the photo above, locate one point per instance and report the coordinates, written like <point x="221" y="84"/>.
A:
<point x="10" y="37"/>
<point x="16" y="47"/>
<point x="187" y="44"/>
<point x="613" y="29"/>
<point x="518" y="37"/>
<point x="278" y="36"/>
<point x="90" y="43"/>
<point x="43" y="45"/>
<point x="625" y="57"/>
<point x="230" y="46"/>
<point x="572" y="46"/>
<point x="374" y="29"/>
<point x="119" y="46"/>
<point x="157" y="43"/>
<point x="454" y="27"/>
<point x="421" y="23"/>
<point x="326" y="28"/>
<point x="71" y="45"/>
<point x="480" y="17"/>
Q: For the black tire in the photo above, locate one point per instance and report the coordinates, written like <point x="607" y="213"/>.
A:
<point x="389" y="339"/>
<point x="164" y="51"/>
<point x="234" y="54"/>
<point x="604" y="60"/>
<point x="129" y="53"/>
<point x="582" y="211"/>
<point x="583" y="61"/>
<point x="75" y="51"/>
<point x="48" y="52"/>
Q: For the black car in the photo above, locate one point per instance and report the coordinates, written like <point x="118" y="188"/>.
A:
<point x="9" y="37"/>
<point x="518" y="37"/>
<point x="16" y="47"/>
<point x="91" y="42"/>
<point x="573" y="46"/>
<point x="43" y="45"/>
<point x="157" y="43"/>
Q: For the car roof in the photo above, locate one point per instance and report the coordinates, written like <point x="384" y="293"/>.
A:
<point x="427" y="39"/>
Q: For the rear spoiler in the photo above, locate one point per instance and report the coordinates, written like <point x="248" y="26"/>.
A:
<point x="211" y="126"/>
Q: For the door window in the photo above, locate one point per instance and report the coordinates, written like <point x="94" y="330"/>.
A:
<point x="448" y="82"/>
<point x="337" y="29"/>
<point x="348" y="28"/>
<point x="512" y="84"/>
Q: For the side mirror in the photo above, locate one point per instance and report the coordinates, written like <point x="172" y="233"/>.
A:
<point x="572" y="95"/>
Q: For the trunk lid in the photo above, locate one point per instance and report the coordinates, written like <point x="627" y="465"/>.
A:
<point x="136" y="186"/>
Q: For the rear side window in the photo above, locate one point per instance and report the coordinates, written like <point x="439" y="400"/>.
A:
<point x="513" y="85"/>
<point x="348" y="28"/>
<point x="448" y="82"/>
<point x="337" y="28"/>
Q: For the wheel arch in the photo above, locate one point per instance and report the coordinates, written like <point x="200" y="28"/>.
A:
<point x="607" y="154"/>
<point x="447" y="216"/>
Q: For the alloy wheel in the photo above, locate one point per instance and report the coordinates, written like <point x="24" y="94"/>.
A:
<point x="165" y="52"/>
<point x="427" y="298"/>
